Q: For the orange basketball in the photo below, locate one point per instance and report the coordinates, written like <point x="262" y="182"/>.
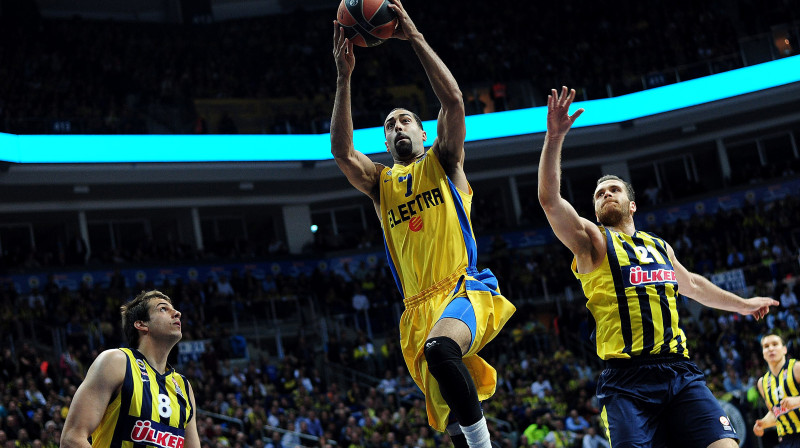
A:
<point x="366" y="23"/>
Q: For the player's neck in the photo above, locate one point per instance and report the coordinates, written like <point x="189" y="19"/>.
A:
<point x="156" y="354"/>
<point x="406" y="162"/>
<point x="410" y="160"/>
<point x="627" y="228"/>
<point x="776" y="367"/>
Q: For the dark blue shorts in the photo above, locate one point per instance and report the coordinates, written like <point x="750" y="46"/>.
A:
<point x="659" y="402"/>
<point x="790" y="441"/>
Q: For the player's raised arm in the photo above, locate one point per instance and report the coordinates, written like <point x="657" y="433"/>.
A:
<point x="450" y="126"/>
<point x="568" y="226"/>
<point x="360" y="170"/>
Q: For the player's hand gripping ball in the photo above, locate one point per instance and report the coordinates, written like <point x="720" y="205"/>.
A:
<point x="366" y="23"/>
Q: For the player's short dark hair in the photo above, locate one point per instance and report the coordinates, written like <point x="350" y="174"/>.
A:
<point x="138" y="309"/>
<point x="628" y="186"/>
<point x="773" y="334"/>
<point x="416" y="117"/>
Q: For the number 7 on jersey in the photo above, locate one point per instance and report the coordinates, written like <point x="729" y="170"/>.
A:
<point x="410" y="182"/>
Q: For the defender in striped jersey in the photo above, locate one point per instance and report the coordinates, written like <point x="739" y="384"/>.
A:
<point x="131" y="397"/>
<point x="781" y="393"/>
<point x="651" y="394"/>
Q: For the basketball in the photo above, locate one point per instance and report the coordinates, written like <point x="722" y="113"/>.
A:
<point x="366" y="23"/>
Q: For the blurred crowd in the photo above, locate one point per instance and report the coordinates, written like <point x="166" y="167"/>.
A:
<point x="59" y="77"/>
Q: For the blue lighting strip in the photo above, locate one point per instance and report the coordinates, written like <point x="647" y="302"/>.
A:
<point x="228" y="148"/>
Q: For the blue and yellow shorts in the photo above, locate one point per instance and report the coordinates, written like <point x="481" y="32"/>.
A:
<point x="423" y="310"/>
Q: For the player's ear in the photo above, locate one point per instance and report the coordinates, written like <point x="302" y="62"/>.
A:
<point x="633" y="207"/>
<point x="424" y="136"/>
<point x="387" y="146"/>
<point x="140" y="325"/>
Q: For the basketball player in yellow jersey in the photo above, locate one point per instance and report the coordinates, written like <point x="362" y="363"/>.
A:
<point x="131" y="397"/>
<point x="781" y="393"/>
<point x="423" y="202"/>
<point x="650" y="393"/>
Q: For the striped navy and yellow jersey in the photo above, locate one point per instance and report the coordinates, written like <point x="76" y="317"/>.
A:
<point x="150" y="410"/>
<point x="632" y="297"/>
<point x="426" y="224"/>
<point x="776" y="388"/>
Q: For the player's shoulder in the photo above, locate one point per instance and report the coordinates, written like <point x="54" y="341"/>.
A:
<point x="111" y="356"/>
<point x="652" y="235"/>
<point x="381" y="168"/>
<point x="109" y="366"/>
<point x="795" y="366"/>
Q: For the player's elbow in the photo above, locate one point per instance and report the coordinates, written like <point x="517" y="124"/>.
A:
<point x="691" y="287"/>
<point x="454" y="103"/>
<point x="547" y="199"/>
<point x="71" y="439"/>
<point x="339" y="151"/>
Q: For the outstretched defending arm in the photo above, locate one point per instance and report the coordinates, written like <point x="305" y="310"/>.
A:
<point x="360" y="170"/>
<point x="701" y="289"/>
<point x="450" y="127"/>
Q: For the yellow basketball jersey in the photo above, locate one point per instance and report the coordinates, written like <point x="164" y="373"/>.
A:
<point x="632" y="297"/>
<point x="151" y="410"/>
<point x="426" y="224"/>
<point x="776" y="388"/>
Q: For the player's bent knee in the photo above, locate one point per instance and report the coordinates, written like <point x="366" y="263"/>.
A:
<point x="455" y="383"/>
<point x="440" y="351"/>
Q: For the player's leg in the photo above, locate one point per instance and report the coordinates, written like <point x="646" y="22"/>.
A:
<point x="630" y="407"/>
<point x="724" y="443"/>
<point x="447" y="342"/>
<point x="627" y="425"/>
<point x="456" y="435"/>
<point x="696" y="411"/>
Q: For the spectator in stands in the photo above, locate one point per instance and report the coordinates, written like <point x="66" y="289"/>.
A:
<point x="360" y="305"/>
<point x="224" y="287"/>
<point x="735" y="258"/>
<point x="388" y="384"/>
<point x="541" y="386"/>
<point x="652" y="193"/>
<point x="8" y="366"/>
<point x="575" y="422"/>
<point x="593" y="440"/>
<point x="788" y="298"/>
<point x="558" y="437"/>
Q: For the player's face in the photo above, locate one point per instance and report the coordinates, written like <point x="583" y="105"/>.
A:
<point x="772" y="348"/>
<point x="404" y="136"/>
<point x="164" y="319"/>
<point x="611" y="203"/>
